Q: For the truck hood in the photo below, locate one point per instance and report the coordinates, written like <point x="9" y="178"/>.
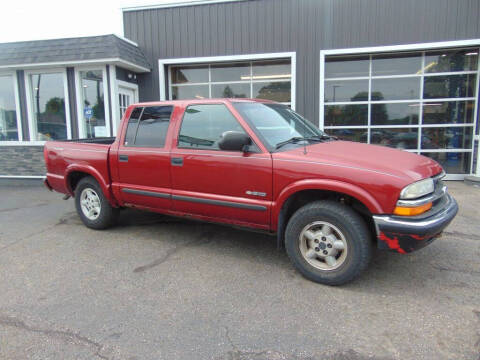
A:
<point x="374" y="158"/>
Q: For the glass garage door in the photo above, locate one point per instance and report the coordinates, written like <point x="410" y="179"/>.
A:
<point x="424" y="102"/>
<point x="263" y="79"/>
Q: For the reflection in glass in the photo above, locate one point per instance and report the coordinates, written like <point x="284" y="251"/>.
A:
<point x="230" y="72"/>
<point x="190" y="92"/>
<point x="230" y="90"/>
<point x="93" y="103"/>
<point x="396" y="89"/>
<point x="452" y="162"/>
<point x="272" y="69"/>
<point x="153" y="126"/>
<point x="395" y="114"/>
<point x="276" y="91"/>
<point x="453" y="137"/>
<point x="346" y="67"/>
<point x="346" y="90"/>
<point x="346" y="115"/>
<point x="401" y="138"/>
<point x="448" y="112"/>
<point x="449" y="86"/>
<point x="132" y="126"/>
<point x="358" y="135"/>
<point x="203" y="126"/>
<point x="383" y="65"/>
<point x="48" y="97"/>
<point x="8" y="111"/>
<point x="451" y="60"/>
<point x="189" y="74"/>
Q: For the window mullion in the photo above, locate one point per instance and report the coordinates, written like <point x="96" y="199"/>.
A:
<point x="251" y="79"/>
<point x="420" y="112"/>
<point x="369" y="106"/>
<point x="475" y="122"/>
<point x="209" y="81"/>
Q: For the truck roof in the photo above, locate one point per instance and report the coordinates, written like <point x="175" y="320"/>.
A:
<point x="203" y="101"/>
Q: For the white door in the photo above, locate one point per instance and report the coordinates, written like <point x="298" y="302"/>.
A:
<point x="126" y="97"/>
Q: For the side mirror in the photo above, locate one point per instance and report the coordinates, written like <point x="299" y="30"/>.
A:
<point x="234" y="141"/>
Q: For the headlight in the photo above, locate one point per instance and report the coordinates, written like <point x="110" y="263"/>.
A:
<point x="417" y="189"/>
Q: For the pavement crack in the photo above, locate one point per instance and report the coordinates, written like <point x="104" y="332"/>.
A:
<point x="462" y="271"/>
<point x="27" y="237"/>
<point x="461" y="234"/>
<point x="229" y="339"/>
<point x="205" y="238"/>
<point x="25" y="207"/>
<point x="161" y="260"/>
<point x="61" y="334"/>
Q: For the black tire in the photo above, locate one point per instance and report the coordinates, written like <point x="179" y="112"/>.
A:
<point x="355" y="232"/>
<point x="107" y="215"/>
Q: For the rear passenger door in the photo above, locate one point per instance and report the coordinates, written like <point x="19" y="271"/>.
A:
<point x="144" y="160"/>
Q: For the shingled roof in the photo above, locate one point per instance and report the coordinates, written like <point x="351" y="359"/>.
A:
<point x="105" y="47"/>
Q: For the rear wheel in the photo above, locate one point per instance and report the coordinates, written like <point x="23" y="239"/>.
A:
<point x="328" y="242"/>
<point x="92" y="205"/>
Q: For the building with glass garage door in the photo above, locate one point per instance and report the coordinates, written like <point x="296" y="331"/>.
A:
<point x="403" y="74"/>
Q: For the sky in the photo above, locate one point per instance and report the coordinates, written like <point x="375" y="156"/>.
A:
<point x="52" y="19"/>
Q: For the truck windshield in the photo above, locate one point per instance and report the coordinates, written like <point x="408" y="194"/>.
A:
<point x="278" y="125"/>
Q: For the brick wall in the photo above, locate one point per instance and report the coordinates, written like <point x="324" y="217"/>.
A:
<point x="22" y="160"/>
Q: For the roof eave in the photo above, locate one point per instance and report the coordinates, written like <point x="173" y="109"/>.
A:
<point x="179" y="4"/>
<point x="107" y="61"/>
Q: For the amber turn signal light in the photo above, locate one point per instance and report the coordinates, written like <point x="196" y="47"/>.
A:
<point x="412" y="211"/>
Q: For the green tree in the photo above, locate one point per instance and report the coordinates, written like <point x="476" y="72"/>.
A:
<point x="55" y="105"/>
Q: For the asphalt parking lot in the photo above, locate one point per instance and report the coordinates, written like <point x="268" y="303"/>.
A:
<point x="163" y="288"/>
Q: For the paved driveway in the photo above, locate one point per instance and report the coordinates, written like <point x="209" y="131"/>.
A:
<point x="162" y="288"/>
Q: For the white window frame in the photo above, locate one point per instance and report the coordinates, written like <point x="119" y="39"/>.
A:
<point x="20" y="140"/>
<point x="162" y="63"/>
<point x="406" y="48"/>
<point x="78" y="90"/>
<point x="30" y="108"/>
<point x="126" y="85"/>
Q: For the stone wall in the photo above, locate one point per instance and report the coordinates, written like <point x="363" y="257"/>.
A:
<point x="22" y="160"/>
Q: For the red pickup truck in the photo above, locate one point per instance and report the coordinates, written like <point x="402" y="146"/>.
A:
<point x="259" y="165"/>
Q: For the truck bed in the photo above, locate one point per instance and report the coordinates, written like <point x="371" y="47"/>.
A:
<point x="77" y="155"/>
<point x="98" y="140"/>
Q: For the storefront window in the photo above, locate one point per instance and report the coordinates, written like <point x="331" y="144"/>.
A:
<point x="93" y="104"/>
<point x="8" y="111"/>
<point x="421" y="101"/>
<point x="269" y="79"/>
<point x="48" y="107"/>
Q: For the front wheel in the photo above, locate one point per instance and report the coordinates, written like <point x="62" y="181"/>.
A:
<point x="328" y="242"/>
<point x="92" y="205"/>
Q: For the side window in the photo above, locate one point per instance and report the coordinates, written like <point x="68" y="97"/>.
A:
<point x="152" y="128"/>
<point x="132" y="126"/>
<point x="203" y="126"/>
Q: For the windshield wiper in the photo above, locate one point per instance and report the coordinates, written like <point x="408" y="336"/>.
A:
<point x="292" y="140"/>
<point x="321" y="137"/>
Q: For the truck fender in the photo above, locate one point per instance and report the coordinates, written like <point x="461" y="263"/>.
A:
<point x="90" y="170"/>
<point x="324" y="184"/>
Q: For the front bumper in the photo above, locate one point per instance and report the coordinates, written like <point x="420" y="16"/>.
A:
<point x="407" y="234"/>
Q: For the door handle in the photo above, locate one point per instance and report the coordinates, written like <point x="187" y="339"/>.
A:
<point x="177" y="161"/>
<point x="123" y="158"/>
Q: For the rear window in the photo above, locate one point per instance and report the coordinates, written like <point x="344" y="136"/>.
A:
<point x="148" y="126"/>
<point x="132" y="126"/>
